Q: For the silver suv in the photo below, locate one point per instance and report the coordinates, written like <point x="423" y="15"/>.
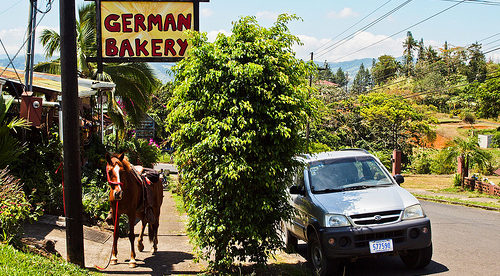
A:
<point x="349" y="206"/>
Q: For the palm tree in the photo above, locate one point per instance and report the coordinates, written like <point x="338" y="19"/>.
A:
<point x="135" y="82"/>
<point x="468" y="150"/>
<point x="410" y="44"/>
<point x="9" y="146"/>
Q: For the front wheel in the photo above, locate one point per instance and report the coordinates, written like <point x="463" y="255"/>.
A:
<point x="417" y="258"/>
<point x="321" y="265"/>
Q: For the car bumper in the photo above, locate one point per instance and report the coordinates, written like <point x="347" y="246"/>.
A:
<point x="354" y="241"/>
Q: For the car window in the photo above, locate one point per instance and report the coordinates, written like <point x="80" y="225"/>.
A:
<point x="298" y="179"/>
<point x="346" y="172"/>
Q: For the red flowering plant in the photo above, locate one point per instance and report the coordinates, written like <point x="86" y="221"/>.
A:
<point x="15" y="208"/>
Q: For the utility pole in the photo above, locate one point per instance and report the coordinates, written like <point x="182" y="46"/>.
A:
<point x="30" y="49"/>
<point x="310" y="84"/>
<point x="71" y="133"/>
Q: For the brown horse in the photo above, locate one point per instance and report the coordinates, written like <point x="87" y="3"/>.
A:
<point x="128" y="196"/>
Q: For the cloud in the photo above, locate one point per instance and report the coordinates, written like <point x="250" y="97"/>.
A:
<point x="207" y="12"/>
<point x="267" y="15"/>
<point x="344" y="13"/>
<point x="349" y="49"/>
<point x="14" y="38"/>
<point x="212" y="35"/>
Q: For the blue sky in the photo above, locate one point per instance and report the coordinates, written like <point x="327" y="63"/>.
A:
<point x="321" y="20"/>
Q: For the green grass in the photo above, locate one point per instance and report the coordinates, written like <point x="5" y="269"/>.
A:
<point x="452" y="200"/>
<point x="179" y="203"/>
<point x="15" y="262"/>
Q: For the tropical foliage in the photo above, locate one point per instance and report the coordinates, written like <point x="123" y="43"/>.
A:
<point x="237" y="117"/>
<point x="10" y="148"/>
<point x="135" y="82"/>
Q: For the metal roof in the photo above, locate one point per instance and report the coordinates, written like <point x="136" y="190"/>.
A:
<point x="49" y="82"/>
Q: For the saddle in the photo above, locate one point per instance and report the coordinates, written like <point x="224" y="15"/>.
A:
<point x="147" y="176"/>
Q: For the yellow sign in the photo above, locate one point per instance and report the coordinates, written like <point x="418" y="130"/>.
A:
<point x="145" y="29"/>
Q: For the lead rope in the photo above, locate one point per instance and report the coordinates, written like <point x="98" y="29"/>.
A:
<point x="114" y="235"/>
<point x="62" y="175"/>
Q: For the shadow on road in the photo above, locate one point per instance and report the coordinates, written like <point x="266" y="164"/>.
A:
<point x="162" y="263"/>
<point x="383" y="265"/>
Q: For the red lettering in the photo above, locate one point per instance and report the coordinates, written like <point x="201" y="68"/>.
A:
<point x="112" y="27"/>
<point x="154" y="20"/>
<point x="169" y="21"/>
<point x="141" y="47"/>
<point x="183" y="45"/>
<point x="126" y="47"/>
<point x="110" y="47"/>
<point x="139" y="22"/>
<point x="126" y="22"/>
<point x="183" y="21"/>
<point x="155" y="47"/>
<point x="169" y="47"/>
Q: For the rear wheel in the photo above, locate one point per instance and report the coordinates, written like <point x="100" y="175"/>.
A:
<point x="321" y="265"/>
<point x="417" y="258"/>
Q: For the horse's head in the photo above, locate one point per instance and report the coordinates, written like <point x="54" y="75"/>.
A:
<point x="114" y="168"/>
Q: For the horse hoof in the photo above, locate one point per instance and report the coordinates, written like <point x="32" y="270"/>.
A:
<point x="153" y="250"/>
<point x="132" y="264"/>
<point x="113" y="262"/>
<point x="140" y="246"/>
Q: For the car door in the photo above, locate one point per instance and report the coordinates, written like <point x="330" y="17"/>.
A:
<point x="299" y="203"/>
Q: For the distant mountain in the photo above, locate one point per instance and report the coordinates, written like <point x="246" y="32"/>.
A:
<point x="20" y="61"/>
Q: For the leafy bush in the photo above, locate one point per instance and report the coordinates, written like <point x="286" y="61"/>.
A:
<point x="138" y="151"/>
<point x="457" y="180"/>
<point x="37" y="167"/>
<point x="315" y="147"/>
<point x="14" y="206"/>
<point x="431" y="161"/>
<point x="468" y="117"/>
<point x="236" y="120"/>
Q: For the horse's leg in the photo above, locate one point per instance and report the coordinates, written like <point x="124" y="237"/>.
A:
<point x="131" y="237"/>
<point x="140" y="245"/>
<point x="114" y="250"/>
<point x="155" y="238"/>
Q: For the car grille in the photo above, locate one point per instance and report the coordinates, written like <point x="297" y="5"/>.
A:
<point x="376" y="218"/>
<point x="362" y="240"/>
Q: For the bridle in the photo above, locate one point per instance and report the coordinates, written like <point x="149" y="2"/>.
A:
<point x="109" y="179"/>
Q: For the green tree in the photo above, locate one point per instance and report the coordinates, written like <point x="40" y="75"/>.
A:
<point x="487" y="97"/>
<point x="135" y="82"/>
<point x="385" y="69"/>
<point x="468" y="149"/>
<point x="394" y="121"/>
<point x="476" y="68"/>
<point x="362" y="80"/>
<point x="341" y="78"/>
<point x="10" y="148"/>
<point x="236" y="117"/>
<point x="326" y="73"/>
<point x="409" y="46"/>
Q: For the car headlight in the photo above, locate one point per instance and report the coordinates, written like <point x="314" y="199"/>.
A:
<point x="336" y="221"/>
<point x="413" y="212"/>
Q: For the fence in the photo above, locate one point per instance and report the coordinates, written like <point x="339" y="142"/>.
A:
<point x="473" y="184"/>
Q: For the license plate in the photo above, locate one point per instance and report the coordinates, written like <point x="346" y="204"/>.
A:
<point x="381" y="246"/>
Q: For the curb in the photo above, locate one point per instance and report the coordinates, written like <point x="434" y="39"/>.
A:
<point x="457" y="203"/>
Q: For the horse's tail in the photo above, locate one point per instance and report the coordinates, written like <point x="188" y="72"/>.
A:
<point x="151" y="232"/>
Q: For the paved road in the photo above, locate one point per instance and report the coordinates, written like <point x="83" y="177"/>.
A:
<point x="466" y="242"/>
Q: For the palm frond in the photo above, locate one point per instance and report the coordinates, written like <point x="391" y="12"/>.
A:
<point x="51" y="67"/>
<point x="51" y="42"/>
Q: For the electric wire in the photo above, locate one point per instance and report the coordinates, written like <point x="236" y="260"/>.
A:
<point x="331" y="39"/>
<point x="364" y="28"/>
<point x="11" y="61"/>
<point x="13" y="5"/>
<point x="489" y="3"/>
<point x="418" y="23"/>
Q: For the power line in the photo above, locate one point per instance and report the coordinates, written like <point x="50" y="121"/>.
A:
<point x="481" y="2"/>
<point x="329" y="40"/>
<point x="418" y="23"/>
<point x="492" y="50"/>
<point x="364" y="28"/>
<point x="7" y="9"/>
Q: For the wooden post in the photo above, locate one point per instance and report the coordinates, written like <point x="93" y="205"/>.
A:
<point x="396" y="162"/>
<point x="71" y="134"/>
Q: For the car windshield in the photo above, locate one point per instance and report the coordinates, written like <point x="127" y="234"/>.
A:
<point x="346" y="174"/>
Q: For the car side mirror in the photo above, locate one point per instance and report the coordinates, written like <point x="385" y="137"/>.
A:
<point x="399" y="179"/>
<point x="296" y="190"/>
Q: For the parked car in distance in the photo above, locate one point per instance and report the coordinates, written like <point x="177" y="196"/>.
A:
<point x="348" y="206"/>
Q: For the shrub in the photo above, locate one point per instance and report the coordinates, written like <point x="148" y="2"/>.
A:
<point x="468" y="117"/>
<point x="237" y="116"/>
<point x="457" y="180"/>
<point x="138" y="151"/>
<point x="14" y="206"/>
